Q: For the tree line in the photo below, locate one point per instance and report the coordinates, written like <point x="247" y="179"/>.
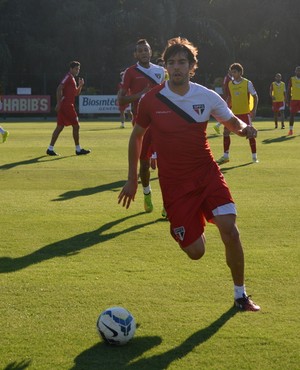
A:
<point x="38" y="39"/>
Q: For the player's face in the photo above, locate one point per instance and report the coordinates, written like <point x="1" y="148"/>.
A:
<point x="178" y="68"/>
<point x="143" y="54"/>
<point x="75" y="71"/>
<point x="278" y="77"/>
<point x="236" y="75"/>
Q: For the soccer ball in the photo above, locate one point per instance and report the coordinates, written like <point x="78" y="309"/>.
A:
<point x="116" y="326"/>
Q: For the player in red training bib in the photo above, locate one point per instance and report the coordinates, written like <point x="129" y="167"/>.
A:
<point x="193" y="187"/>
<point x="66" y="114"/>
<point x="137" y="80"/>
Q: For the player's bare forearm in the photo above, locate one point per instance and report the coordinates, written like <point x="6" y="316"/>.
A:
<point x="128" y="192"/>
<point x="240" y="128"/>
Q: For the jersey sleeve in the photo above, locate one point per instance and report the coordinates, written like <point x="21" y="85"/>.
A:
<point x="251" y="88"/>
<point x="220" y="110"/>
<point x="126" y="81"/>
<point x="143" y="118"/>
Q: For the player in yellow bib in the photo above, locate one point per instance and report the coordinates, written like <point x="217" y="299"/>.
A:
<point x="294" y="97"/>
<point x="278" y="96"/>
<point x="240" y="89"/>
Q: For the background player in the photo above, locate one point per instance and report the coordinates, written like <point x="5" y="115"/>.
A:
<point x="124" y="109"/>
<point x="240" y="90"/>
<point x="4" y="134"/>
<point x="225" y="94"/>
<point x="137" y="80"/>
<point x="278" y="96"/>
<point x="66" y="92"/>
<point x="294" y="97"/>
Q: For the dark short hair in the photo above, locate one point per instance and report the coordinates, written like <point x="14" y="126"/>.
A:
<point x="237" y="67"/>
<point x="142" y="42"/>
<point x="178" y="45"/>
<point x="74" y="64"/>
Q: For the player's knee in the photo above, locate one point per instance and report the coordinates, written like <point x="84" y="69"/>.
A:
<point x="196" y="250"/>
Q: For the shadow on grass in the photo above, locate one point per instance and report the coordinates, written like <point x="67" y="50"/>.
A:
<point x="70" y="246"/>
<point x="279" y="139"/>
<point x="112" y="186"/>
<point x="8" y="166"/>
<point x="103" y="357"/>
<point x="226" y="169"/>
<point x="18" y="365"/>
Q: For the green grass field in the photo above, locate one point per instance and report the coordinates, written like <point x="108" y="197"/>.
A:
<point x="68" y="251"/>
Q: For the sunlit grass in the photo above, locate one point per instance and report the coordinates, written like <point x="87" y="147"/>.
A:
<point x="68" y="251"/>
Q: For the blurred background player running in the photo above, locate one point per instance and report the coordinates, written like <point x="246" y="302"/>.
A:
<point x="137" y="80"/>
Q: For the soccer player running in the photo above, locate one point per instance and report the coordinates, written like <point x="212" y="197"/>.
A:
<point x="137" y="80"/>
<point x="239" y="90"/>
<point x="192" y="184"/>
<point x="278" y="96"/>
<point x="294" y="98"/>
<point x="66" y="92"/>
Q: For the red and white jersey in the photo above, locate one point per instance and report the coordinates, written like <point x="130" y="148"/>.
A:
<point x="69" y="88"/>
<point x="178" y="127"/>
<point x="136" y="78"/>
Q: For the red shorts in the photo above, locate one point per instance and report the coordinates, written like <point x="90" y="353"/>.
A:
<point x="191" y="204"/>
<point x="277" y="106"/>
<point x="67" y="115"/>
<point x="294" y="106"/>
<point x="122" y="108"/>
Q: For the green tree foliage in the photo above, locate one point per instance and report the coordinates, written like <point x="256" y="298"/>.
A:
<point x="39" y="38"/>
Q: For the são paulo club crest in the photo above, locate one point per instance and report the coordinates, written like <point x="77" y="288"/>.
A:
<point x="199" y="108"/>
<point x="179" y="233"/>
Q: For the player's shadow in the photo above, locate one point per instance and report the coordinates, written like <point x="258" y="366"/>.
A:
<point x="8" y="166"/>
<point x="18" y="365"/>
<point x="279" y="139"/>
<point x="226" y="169"/>
<point x="103" y="357"/>
<point x="70" y="246"/>
<point x="112" y="186"/>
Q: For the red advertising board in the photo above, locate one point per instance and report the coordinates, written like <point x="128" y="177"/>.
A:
<point x="25" y="104"/>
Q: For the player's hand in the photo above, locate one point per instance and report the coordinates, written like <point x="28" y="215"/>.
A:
<point x="81" y="81"/>
<point x="127" y="194"/>
<point x="249" y="132"/>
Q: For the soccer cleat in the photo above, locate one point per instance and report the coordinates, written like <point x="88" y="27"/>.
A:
<point x="222" y="160"/>
<point x="83" y="152"/>
<point x="282" y="127"/>
<point x="4" y="136"/>
<point x="255" y="160"/>
<point x="148" y="206"/>
<point x="290" y="133"/>
<point x="276" y="126"/>
<point x="217" y="129"/>
<point x="122" y="126"/>
<point x="164" y="213"/>
<point x="51" y="152"/>
<point x="246" y="304"/>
